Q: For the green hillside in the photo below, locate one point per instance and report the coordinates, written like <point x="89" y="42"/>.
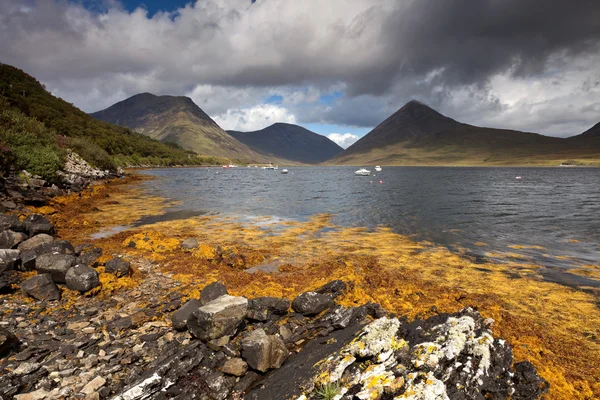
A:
<point x="36" y="128"/>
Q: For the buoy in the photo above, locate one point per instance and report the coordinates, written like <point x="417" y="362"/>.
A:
<point x="380" y="182"/>
<point x="371" y="182"/>
<point x="518" y="178"/>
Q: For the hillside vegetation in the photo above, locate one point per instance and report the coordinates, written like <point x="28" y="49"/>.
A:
<point x="36" y="128"/>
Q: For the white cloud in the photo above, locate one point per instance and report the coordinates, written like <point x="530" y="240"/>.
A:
<point x="254" y="118"/>
<point x="345" y="140"/>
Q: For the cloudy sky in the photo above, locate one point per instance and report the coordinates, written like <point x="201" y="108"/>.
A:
<point x="338" y="67"/>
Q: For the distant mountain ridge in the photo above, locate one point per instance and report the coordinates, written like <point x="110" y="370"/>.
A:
<point x="176" y="119"/>
<point x="291" y="142"/>
<point x="418" y="135"/>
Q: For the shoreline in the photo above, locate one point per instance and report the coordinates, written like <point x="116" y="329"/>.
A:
<point x="381" y="272"/>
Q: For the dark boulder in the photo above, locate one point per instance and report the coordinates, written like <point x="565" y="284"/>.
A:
<point x="57" y="246"/>
<point x="263" y="352"/>
<point x="41" y="287"/>
<point x="35" y="241"/>
<point x="56" y="265"/>
<point x="333" y="289"/>
<point x="9" y="259"/>
<point x="28" y="258"/>
<point x="212" y="292"/>
<point x="8" y="342"/>
<point x="11" y="222"/>
<point x="118" y="266"/>
<point x="82" y="278"/>
<point x="90" y="257"/>
<point x="262" y="308"/>
<point x="220" y="317"/>
<point x="10" y="239"/>
<point x="37" y="223"/>
<point x="311" y="303"/>
<point x="181" y="316"/>
<point x="528" y="384"/>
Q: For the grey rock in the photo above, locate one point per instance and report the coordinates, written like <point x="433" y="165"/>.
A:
<point x="28" y="258"/>
<point x="8" y="342"/>
<point x="41" y="287"/>
<point x="212" y="292"/>
<point x="220" y="317"/>
<point x="118" y="266"/>
<point x="235" y="367"/>
<point x="340" y="317"/>
<point x="262" y="308"/>
<point x="10" y="239"/>
<point x="9" y="204"/>
<point x="311" y="303"/>
<point x="90" y="256"/>
<point x="11" y="222"/>
<point x="181" y="316"/>
<point x="35" y="241"/>
<point x="263" y="352"/>
<point x="9" y="259"/>
<point x="82" y="278"/>
<point x="37" y="223"/>
<point x="56" y="265"/>
<point x="57" y="246"/>
<point x="189" y="244"/>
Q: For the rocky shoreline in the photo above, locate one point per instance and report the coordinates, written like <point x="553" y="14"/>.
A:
<point x="63" y="337"/>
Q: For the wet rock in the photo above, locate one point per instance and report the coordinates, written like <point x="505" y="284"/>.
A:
<point x="82" y="278"/>
<point x="11" y="222"/>
<point x="56" y="265"/>
<point x="262" y="308"/>
<point x="90" y="257"/>
<point x="10" y="239"/>
<point x="212" y="292"/>
<point x="35" y="241"/>
<point x="235" y="367"/>
<point x="41" y="287"/>
<point x="311" y="303"/>
<point x="181" y="316"/>
<point x="220" y="317"/>
<point x="333" y="289"/>
<point x="8" y="342"/>
<point x="9" y="259"/>
<point x="263" y="352"/>
<point x="189" y="244"/>
<point x="37" y="223"/>
<point x="118" y="266"/>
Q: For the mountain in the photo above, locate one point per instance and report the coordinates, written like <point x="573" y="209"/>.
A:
<point x="290" y="142"/>
<point x="36" y="128"/>
<point x="418" y="135"/>
<point x="176" y="119"/>
<point x="592" y="133"/>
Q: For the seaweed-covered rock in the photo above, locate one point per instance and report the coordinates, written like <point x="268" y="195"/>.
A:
<point x="262" y="308"/>
<point x="37" y="223"/>
<point x="212" y="292"/>
<point x="118" y="266"/>
<point x="10" y="239"/>
<point x="220" y="317"/>
<point x="41" y="287"/>
<point x="263" y="352"/>
<point x="9" y="259"/>
<point x="82" y="278"/>
<point x="35" y="241"/>
<point x="56" y="265"/>
<point x="311" y="303"/>
<point x="180" y="317"/>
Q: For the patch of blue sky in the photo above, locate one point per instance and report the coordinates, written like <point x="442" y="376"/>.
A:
<point x="326" y="129"/>
<point x="274" y="99"/>
<point x="327" y="99"/>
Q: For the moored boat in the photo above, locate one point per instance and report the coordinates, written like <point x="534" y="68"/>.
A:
<point x="362" y="172"/>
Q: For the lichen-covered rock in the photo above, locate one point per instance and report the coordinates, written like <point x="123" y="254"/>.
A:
<point x="41" y="287"/>
<point x="35" y="241"/>
<point x="82" y="278"/>
<point x="118" y="266"/>
<point x="212" y="292"/>
<point x="8" y="342"/>
<point x="9" y="259"/>
<point x="10" y="239"/>
<point x="311" y="303"/>
<point x="37" y="223"/>
<point x="262" y="308"/>
<point x="220" y="317"/>
<point x="56" y="265"/>
<point x="263" y="352"/>
<point x="180" y="317"/>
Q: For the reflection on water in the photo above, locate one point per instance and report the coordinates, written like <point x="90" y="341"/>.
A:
<point x="550" y="217"/>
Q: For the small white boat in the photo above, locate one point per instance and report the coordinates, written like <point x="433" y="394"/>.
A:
<point x="362" y="172"/>
<point x="378" y="168"/>
<point x="271" y="166"/>
<point x="284" y="171"/>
